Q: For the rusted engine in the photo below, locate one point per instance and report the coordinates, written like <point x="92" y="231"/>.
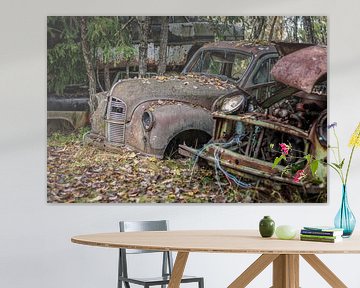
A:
<point x="246" y="130"/>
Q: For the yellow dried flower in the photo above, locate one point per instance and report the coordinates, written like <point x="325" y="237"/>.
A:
<point x="355" y="138"/>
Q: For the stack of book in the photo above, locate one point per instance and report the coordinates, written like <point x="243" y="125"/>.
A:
<point x="321" y="234"/>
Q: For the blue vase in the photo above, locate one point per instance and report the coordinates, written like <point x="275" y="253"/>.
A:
<point x="345" y="219"/>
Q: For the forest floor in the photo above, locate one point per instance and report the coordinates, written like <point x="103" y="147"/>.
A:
<point x="78" y="173"/>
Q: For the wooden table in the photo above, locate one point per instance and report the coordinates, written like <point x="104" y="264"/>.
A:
<point x="284" y="254"/>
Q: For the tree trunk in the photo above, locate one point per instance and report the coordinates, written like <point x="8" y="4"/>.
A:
<point x="259" y="23"/>
<point x="309" y="29"/>
<point x="163" y="44"/>
<point x="263" y="28"/>
<point x="107" y="77"/>
<point x="272" y="28"/>
<point x="88" y="59"/>
<point x="322" y="30"/>
<point x="144" y="24"/>
<point x="127" y="70"/>
<point x="281" y="28"/>
<point x="296" y="25"/>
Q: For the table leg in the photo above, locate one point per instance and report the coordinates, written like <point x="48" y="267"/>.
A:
<point x="178" y="269"/>
<point x="253" y="270"/>
<point x="286" y="271"/>
<point x="324" y="271"/>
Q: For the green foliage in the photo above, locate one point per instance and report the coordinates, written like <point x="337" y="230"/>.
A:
<point x="65" y="66"/>
<point x="340" y="165"/>
<point x="304" y="164"/>
<point x="308" y="158"/>
<point x="314" y="166"/>
<point x="110" y="41"/>
<point x="320" y="29"/>
<point x="60" y="139"/>
<point x="319" y="26"/>
<point x="64" y="55"/>
<point x="278" y="160"/>
<point x="283" y="28"/>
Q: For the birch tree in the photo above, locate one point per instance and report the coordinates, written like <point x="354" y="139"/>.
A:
<point x="163" y="44"/>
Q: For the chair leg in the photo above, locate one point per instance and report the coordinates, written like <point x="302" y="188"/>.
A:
<point x="201" y="283"/>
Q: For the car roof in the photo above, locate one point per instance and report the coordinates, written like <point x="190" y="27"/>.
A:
<point x="245" y="46"/>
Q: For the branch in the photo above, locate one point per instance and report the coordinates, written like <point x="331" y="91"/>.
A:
<point x="127" y="23"/>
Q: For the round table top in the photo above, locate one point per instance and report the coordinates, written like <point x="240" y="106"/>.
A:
<point x="219" y="241"/>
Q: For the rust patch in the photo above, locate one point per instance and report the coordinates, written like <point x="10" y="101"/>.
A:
<point x="285" y="48"/>
<point x="240" y="164"/>
<point x="245" y="46"/>
<point x="263" y="120"/>
<point x="302" y="69"/>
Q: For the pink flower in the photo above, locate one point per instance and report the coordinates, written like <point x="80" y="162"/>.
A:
<point x="299" y="175"/>
<point x="284" y="148"/>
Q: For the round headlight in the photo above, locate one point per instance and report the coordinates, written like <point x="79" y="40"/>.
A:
<point x="234" y="103"/>
<point x="147" y="120"/>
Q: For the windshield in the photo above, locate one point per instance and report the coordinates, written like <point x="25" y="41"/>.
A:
<point x="226" y="64"/>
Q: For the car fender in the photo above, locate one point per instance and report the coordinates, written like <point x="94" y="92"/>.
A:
<point x="169" y="119"/>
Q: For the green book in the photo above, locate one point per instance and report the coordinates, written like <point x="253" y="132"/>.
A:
<point x="319" y="236"/>
<point x="321" y="239"/>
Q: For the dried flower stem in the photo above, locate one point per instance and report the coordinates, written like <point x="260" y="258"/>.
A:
<point x="340" y="171"/>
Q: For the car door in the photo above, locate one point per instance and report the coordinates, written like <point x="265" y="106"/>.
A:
<point x="261" y="84"/>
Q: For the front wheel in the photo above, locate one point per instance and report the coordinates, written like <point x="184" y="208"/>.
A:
<point x="192" y="138"/>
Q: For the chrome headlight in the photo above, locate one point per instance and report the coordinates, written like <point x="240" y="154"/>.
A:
<point x="147" y="120"/>
<point x="234" y="103"/>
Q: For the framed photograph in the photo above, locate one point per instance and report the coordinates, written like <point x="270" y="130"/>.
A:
<point x="187" y="109"/>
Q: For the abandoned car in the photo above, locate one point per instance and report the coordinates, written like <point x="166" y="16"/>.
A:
<point x="248" y="129"/>
<point x="68" y="112"/>
<point x="154" y="115"/>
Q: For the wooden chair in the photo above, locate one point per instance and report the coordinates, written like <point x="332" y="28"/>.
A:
<point x="167" y="262"/>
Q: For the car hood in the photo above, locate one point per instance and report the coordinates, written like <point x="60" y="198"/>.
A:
<point x="303" y="68"/>
<point x="194" y="89"/>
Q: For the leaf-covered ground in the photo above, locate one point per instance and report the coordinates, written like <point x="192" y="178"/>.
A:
<point x="80" y="173"/>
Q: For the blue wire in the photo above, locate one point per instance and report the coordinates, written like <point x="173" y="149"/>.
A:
<point x="235" y="140"/>
<point x="232" y="177"/>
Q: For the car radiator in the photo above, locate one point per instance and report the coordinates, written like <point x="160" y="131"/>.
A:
<point x="115" y="121"/>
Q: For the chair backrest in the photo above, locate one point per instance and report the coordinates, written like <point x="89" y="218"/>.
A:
<point x="134" y="226"/>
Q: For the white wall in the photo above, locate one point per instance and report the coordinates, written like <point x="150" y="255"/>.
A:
<point x="35" y="248"/>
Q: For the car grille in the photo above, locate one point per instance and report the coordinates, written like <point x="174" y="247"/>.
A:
<point x="115" y="118"/>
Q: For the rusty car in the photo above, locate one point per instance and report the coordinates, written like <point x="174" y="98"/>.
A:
<point x="153" y="115"/>
<point x="68" y="112"/>
<point x="247" y="127"/>
<point x="186" y="34"/>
